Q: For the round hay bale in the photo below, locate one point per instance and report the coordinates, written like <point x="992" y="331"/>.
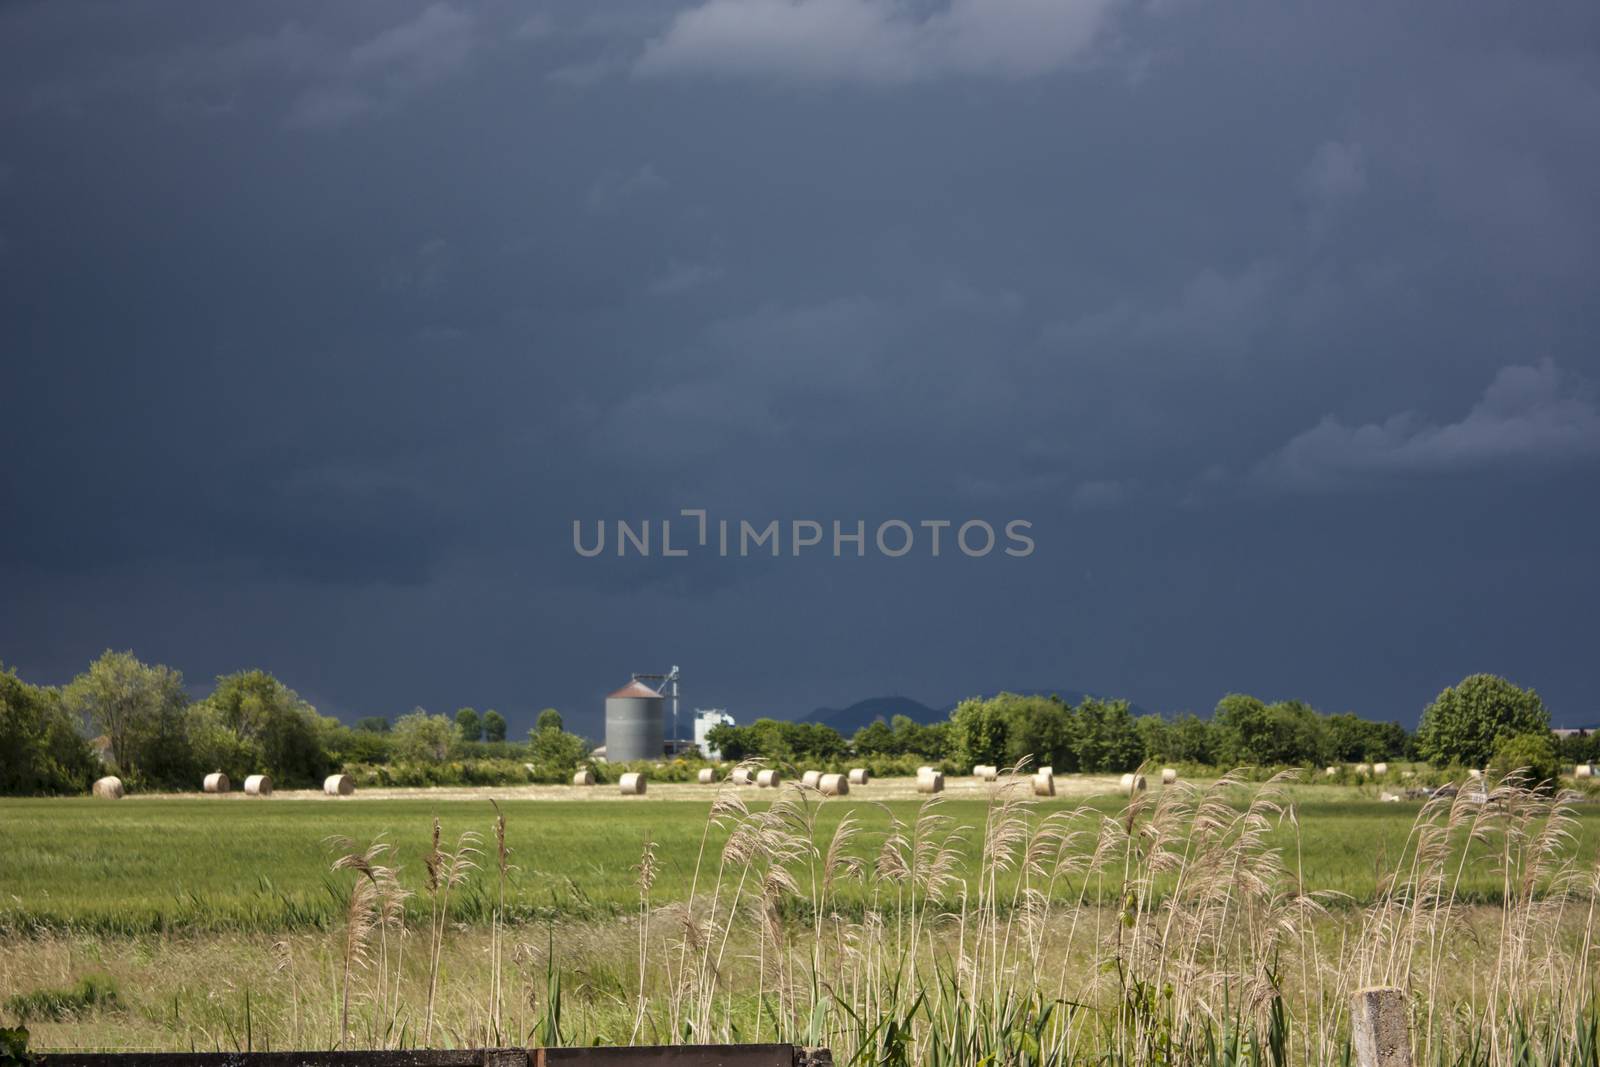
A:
<point x="1380" y="769"/>
<point x="584" y="776"/>
<point x="1389" y="798"/>
<point x="1133" y="783"/>
<point x="985" y="772"/>
<point x="1363" y="768"/>
<point x="833" y="785"/>
<point x="108" y="788"/>
<point x="1044" y="785"/>
<point x="859" y="776"/>
<point x="1583" y="770"/>
<point x="768" y="778"/>
<point x="1051" y="771"/>
<point x="338" y="785"/>
<point x="811" y="779"/>
<point x="1168" y="775"/>
<point x="216" y="782"/>
<point x="257" y="785"/>
<point x="932" y="782"/>
<point x="707" y="776"/>
<point x="1330" y="772"/>
<point x="741" y="776"/>
<point x="632" y="784"/>
<point x="924" y="771"/>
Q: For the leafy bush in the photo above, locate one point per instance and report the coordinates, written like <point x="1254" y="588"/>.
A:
<point x="423" y="738"/>
<point x="551" y="748"/>
<point x="14" y="1047"/>
<point x="452" y="772"/>
<point x="1532" y="753"/>
<point x="1582" y="747"/>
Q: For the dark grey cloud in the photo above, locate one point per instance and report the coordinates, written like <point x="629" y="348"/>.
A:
<point x="1527" y="417"/>
<point x="319" y="325"/>
<point x="874" y="41"/>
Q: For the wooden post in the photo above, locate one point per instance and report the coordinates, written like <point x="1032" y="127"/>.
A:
<point x="1381" y="1026"/>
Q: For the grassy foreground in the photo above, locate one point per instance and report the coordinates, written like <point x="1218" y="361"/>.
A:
<point x="1219" y="924"/>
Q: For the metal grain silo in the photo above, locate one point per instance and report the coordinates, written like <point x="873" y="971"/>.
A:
<point x="635" y="723"/>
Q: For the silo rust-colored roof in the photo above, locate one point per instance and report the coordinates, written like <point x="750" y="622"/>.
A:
<point x="635" y="688"/>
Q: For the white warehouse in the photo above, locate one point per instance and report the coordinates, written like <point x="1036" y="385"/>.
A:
<point x="704" y="720"/>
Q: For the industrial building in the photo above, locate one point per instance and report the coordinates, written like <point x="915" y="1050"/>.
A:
<point x="704" y="720"/>
<point x="635" y="723"/>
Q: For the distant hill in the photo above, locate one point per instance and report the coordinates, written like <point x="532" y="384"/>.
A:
<point x="848" y="720"/>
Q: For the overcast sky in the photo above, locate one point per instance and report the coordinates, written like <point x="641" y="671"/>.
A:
<point x="320" y="324"/>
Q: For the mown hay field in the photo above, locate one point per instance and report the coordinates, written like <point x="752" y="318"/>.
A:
<point x="196" y="863"/>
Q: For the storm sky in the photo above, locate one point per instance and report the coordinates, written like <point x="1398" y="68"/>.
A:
<point x="320" y="324"/>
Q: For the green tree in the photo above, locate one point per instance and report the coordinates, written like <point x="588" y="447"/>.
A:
<point x="777" y="740"/>
<point x="1299" y="734"/>
<point x="1580" y="746"/>
<point x="345" y="745"/>
<point x="1106" y="739"/>
<point x="469" y="724"/>
<point x="978" y="731"/>
<point x="1245" y="732"/>
<point x="1350" y="738"/>
<point x="552" y="747"/>
<point x="734" y="742"/>
<point x="1008" y="728"/>
<point x="1155" y="734"/>
<point x="1534" y="754"/>
<point x="277" y="732"/>
<point x="912" y="738"/>
<point x="1355" y="740"/>
<point x="214" y="746"/>
<point x="494" y="726"/>
<point x="423" y="738"/>
<point x="140" y="710"/>
<point x="41" y="750"/>
<point x="873" y="739"/>
<point x="1467" y="721"/>
<point x="373" y="724"/>
<point x="1039" y="729"/>
<point x="1191" y="740"/>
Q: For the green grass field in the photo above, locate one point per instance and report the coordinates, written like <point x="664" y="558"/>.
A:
<point x="215" y="922"/>
<point x="195" y="864"/>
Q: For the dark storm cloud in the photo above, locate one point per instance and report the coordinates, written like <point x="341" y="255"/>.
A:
<point x="872" y="42"/>
<point x="321" y="324"/>
<point x="1525" y="419"/>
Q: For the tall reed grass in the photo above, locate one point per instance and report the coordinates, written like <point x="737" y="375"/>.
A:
<point x="1212" y="949"/>
<point x="1179" y="929"/>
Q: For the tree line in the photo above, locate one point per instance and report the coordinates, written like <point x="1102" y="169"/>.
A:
<point x="137" y="720"/>
<point x="1482" y="721"/>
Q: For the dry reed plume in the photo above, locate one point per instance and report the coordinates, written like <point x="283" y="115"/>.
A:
<point x="1179" y="929"/>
